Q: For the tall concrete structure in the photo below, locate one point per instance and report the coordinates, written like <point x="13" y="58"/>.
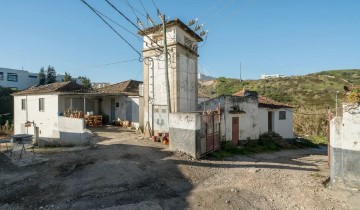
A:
<point x="182" y="45"/>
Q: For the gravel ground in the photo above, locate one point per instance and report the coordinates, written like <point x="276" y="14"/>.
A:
<point x="125" y="172"/>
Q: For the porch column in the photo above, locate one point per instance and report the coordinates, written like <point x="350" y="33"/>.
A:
<point x="84" y="112"/>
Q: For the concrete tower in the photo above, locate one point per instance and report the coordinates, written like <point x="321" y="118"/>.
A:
<point x="182" y="45"/>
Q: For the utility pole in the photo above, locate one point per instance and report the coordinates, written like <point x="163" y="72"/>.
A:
<point x="166" y="67"/>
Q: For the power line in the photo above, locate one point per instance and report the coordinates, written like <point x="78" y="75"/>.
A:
<point x="122" y="14"/>
<point x="112" y="28"/>
<point x="132" y="8"/>
<point x="118" y="24"/>
<point x="107" y="64"/>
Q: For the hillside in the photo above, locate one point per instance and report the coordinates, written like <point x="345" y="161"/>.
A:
<point x="315" y="90"/>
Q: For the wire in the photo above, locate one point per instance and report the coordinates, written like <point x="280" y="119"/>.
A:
<point x="112" y="28"/>
<point x="107" y="64"/>
<point x="133" y="8"/>
<point x="143" y="7"/>
<point x="155" y="5"/>
<point x="118" y="24"/>
<point x="131" y="22"/>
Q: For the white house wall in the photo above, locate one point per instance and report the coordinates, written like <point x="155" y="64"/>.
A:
<point x="284" y="127"/>
<point x="263" y="120"/>
<point x="46" y="120"/>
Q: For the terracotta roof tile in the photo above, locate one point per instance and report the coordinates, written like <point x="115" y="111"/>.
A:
<point x="129" y="87"/>
<point x="57" y="87"/>
<point x="269" y="103"/>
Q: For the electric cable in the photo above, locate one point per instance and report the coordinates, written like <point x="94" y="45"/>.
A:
<point x="112" y="28"/>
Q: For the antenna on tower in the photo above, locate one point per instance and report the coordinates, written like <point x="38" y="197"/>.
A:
<point x="192" y="22"/>
<point x="140" y="24"/>
<point x="204" y="33"/>
<point x="159" y="14"/>
<point x="150" y="20"/>
<point x="198" y="27"/>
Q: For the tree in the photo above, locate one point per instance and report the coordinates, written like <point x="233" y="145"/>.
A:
<point x="85" y="81"/>
<point x="68" y="78"/>
<point x="50" y="75"/>
<point x="42" y="76"/>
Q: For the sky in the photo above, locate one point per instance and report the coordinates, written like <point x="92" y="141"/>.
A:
<point x="265" y="36"/>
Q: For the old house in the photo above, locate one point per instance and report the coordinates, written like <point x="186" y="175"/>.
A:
<point x="245" y="116"/>
<point x="62" y="111"/>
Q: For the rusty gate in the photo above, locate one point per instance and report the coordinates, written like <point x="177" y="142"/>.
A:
<point x="210" y="131"/>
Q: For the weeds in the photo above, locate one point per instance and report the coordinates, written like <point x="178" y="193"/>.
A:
<point x="228" y="149"/>
<point x="7" y="128"/>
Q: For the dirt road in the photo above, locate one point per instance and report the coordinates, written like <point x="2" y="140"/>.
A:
<point x="125" y="172"/>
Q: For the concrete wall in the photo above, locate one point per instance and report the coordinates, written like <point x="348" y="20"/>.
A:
<point x="185" y="133"/>
<point x="345" y="147"/>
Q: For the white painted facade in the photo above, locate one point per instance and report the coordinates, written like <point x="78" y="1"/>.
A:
<point x="51" y="125"/>
<point x="253" y="120"/>
<point x="284" y="127"/>
<point x="17" y="79"/>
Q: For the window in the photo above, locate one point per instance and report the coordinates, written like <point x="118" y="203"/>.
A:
<point x="33" y="76"/>
<point x="12" y="77"/>
<point x="282" y="115"/>
<point x="1" y="75"/>
<point x="41" y="104"/>
<point x="23" y="104"/>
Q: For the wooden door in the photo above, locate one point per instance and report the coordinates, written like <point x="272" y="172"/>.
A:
<point x="270" y="122"/>
<point x="235" y="130"/>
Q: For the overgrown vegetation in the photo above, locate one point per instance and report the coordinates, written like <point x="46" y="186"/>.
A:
<point x="6" y="105"/>
<point x="311" y="95"/>
<point x="228" y="149"/>
<point x="6" y="129"/>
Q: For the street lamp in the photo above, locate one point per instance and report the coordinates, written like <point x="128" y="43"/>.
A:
<point x="336" y="101"/>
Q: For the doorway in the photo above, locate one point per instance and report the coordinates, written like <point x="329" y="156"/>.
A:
<point x="270" y="122"/>
<point x="235" y="130"/>
<point x="112" y="108"/>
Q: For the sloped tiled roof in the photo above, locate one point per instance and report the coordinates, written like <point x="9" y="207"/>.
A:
<point x="129" y="87"/>
<point x="57" y="87"/>
<point x="269" y="103"/>
<point x="263" y="101"/>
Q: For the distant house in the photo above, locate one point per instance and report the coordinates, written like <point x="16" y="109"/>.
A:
<point x="245" y="116"/>
<point x="22" y="79"/>
<point x="271" y="76"/>
<point x="47" y="107"/>
<point x="99" y="84"/>
<point x="17" y="79"/>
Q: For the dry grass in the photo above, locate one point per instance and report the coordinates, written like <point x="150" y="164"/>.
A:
<point x="311" y="122"/>
<point x="6" y="130"/>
